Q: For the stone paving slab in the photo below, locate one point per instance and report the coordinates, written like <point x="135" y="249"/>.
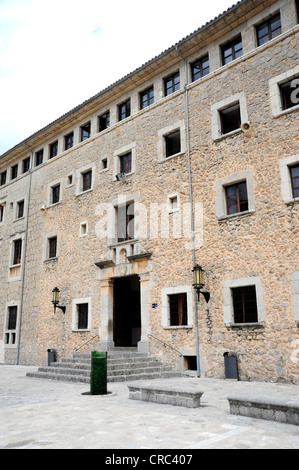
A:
<point x="42" y="414"/>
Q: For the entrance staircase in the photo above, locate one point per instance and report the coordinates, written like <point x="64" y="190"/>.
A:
<point x="123" y="364"/>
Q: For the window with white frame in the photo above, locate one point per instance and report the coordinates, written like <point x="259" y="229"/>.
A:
<point x="10" y="333"/>
<point x="228" y="116"/>
<point x="177" y="307"/>
<point x="244" y="302"/>
<point x="173" y="203"/>
<point x="284" y="91"/>
<point x="2" y="212"/>
<point x="234" y="195"/>
<point x="85" y="179"/>
<point x="124" y="161"/>
<point x="289" y="172"/>
<point x="81" y="319"/>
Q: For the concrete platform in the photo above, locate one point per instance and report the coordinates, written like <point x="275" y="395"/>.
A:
<point x="44" y="414"/>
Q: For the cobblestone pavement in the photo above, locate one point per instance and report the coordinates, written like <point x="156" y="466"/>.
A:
<point x="43" y="414"/>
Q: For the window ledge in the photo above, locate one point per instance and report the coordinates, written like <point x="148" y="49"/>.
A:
<point x="166" y="159"/>
<point x="53" y="205"/>
<point x="81" y="331"/>
<point x="51" y="260"/>
<point x="229" y="134"/>
<point x="238" y="215"/>
<point x="286" y="111"/>
<point x="84" y="192"/>
<point x="183" y="327"/>
<point x="19" y="219"/>
<point x="290" y="202"/>
<point x="246" y="325"/>
<point x="125" y="242"/>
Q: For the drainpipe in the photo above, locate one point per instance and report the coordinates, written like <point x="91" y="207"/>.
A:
<point x="191" y="201"/>
<point x="24" y="254"/>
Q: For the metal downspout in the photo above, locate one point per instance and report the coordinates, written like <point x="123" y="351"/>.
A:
<point x="24" y="255"/>
<point x="191" y="202"/>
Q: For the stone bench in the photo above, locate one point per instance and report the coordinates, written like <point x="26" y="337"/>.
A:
<point x="282" y="411"/>
<point x="167" y="395"/>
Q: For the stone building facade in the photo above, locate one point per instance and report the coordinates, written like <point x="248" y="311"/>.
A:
<point x="191" y="159"/>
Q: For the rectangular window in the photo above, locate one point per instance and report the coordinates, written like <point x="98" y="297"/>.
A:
<point x="39" y="157"/>
<point x="104" y="121"/>
<point x="172" y="144"/>
<point x="52" y="245"/>
<point x="171" y="84"/>
<point x="297" y="9"/>
<point x="69" y="141"/>
<point x="147" y="97"/>
<point x="85" y="132"/>
<point x="14" y="172"/>
<point x="124" y="110"/>
<point x="200" y="68"/>
<point x="26" y="165"/>
<point x="86" y="180"/>
<point x="82" y="315"/>
<point x="236" y="198"/>
<point x="3" y="178"/>
<point x="289" y="94"/>
<point x="20" y="209"/>
<point x="268" y="30"/>
<point x="245" y="304"/>
<point x="53" y="150"/>
<point x="55" y="194"/>
<point x="12" y="316"/>
<point x="295" y="180"/>
<point x="125" y="163"/>
<point x="17" y="252"/>
<point x="1" y="213"/>
<point x="178" y="309"/>
<point x="230" y="119"/>
<point x="125" y="222"/>
<point x="232" y="50"/>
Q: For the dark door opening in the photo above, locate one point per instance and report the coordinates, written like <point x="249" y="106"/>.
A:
<point x="127" y="315"/>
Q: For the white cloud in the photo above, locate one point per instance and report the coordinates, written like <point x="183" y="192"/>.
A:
<point x="54" y="54"/>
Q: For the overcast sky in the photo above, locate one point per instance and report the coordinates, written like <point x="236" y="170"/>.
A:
<point x="54" y="54"/>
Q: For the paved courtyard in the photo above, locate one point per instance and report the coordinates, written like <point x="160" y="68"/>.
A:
<point x="43" y="414"/>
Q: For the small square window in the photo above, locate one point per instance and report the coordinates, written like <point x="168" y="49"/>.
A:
<point x="70" y="180"/>
<point x="104" y="121"/>
<point x="172" y="144"/>
<point x="232" y="50"/>
<point x="3" y="178"/>
<point x="173" y="203"/>
<point x="171" y="84"/>
<point x="69" y="141"/>
<point x="294" y="170"/>
<point x="230" y="119"/>
<point x="39" y="157"/>
<point x="147" y="98"/>
<point x="289" y="94"/>
<point x="124" y="110"/>
<point x="104" y="164"/>
<point x="53" y="150"/>
<point x="26" y="165"/>
<point x="55" y="194"/>
<point x="268" y="30"/>
<point x="14" y="172"/>
<point x="245" y="304"/>
<point x="200" y="68"/>
<point x="52" y="247"/>
<point x="20" y="209"/>
<point x="85" y="132"/>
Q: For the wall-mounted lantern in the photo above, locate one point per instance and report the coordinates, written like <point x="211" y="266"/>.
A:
<point x="198" y="284"/>
<point x="55" y="300"/>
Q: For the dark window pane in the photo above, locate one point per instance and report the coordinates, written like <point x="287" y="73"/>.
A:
<point x="14" y="172"/>
<point x="85" y="132"/>
<point x="232" y="50"/>
<point x="55" y="194"/>
<point x="26" y="165"/>
<point x="104" y="121"/>
<point x="82" y="316"/>
<point x="39" y="157"/>
<point x="20" y="209"/>
<point x="52" y="247"/>
<point x="295" y="180"/>
<point x="200" y="68"/>
<point x="12" y="318"/>
<point x="230" y="119"/>
<point x="236" y="198"/>
<point x="86" y="180"/>
<point x="17" y="254"/>
<point x="53" y="150"/>
<point x="146" y="98"/>
<point x="245" y="305"/>
<point x="289" y="94"/>
<point x="124" y="110"/>
<point x="69" y="141"/>
<point x="126" y="163"/>
<point x="3" y="178"/>
<point x="171" y="84"/>
<point x="178" y="309"/>
<point x="173" y="143"/>
<point x="125" y="223"/>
